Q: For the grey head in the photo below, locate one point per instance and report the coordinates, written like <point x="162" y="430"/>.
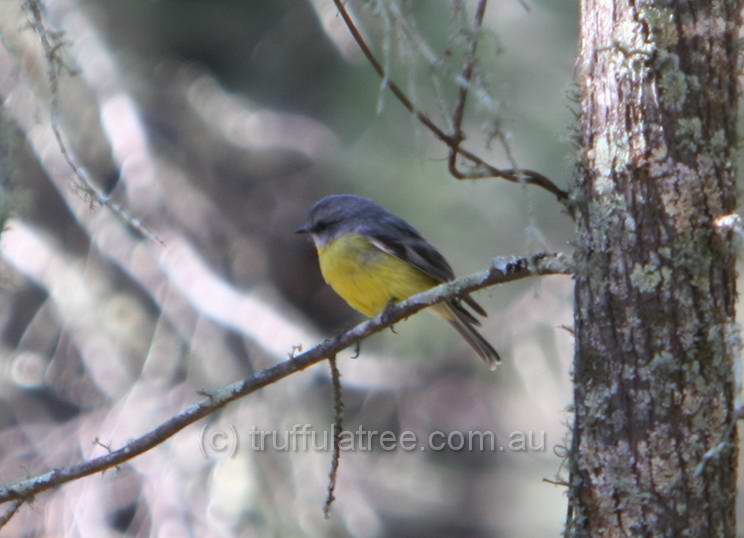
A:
<point x="340" y="214"/>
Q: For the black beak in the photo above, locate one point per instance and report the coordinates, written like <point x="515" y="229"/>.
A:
<point x="303" y="229"/>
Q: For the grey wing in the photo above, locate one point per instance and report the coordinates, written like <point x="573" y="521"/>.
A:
<point x="418" y="253"/>
<point x="395" y="236"/>
<point x="408" y="245"/>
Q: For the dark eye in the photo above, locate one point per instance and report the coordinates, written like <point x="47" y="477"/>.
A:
<point x="321" y="225"/>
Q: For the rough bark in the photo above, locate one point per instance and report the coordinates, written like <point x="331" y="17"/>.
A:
<point x="655" y="280"/>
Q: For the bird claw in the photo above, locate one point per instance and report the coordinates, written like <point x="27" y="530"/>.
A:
<point x="386" y="314"/>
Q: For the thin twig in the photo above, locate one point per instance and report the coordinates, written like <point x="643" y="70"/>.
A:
<point x="462" y="95"/>
<point x="53" y="45"/>
<point x="480" y="168"/>
<point x="501" y="270"/>
<point x="338" y="414"/>
<point x="556" y="482"/>
<point x="14" y="506"/>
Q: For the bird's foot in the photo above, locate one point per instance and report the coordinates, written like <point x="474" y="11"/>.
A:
<point x="386" y="314"/>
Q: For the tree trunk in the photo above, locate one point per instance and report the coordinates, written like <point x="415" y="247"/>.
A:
<point x="655" y="279"/>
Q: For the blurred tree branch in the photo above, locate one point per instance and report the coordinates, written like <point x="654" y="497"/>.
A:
<point x="480" y="168"/>
<point x="53" y="43"/>
<point x="501" y="270"/>
<point x="11" y="511"/>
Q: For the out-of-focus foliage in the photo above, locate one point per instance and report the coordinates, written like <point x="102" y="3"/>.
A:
<point x="217" y="124"/>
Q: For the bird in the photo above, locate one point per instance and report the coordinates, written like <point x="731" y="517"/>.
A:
<point x="371" y="258"/>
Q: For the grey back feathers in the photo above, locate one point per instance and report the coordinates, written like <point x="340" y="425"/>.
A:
<point x="340" y="214"/>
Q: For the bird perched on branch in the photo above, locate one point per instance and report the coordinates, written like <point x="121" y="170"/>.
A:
<point x="372" y="258"/>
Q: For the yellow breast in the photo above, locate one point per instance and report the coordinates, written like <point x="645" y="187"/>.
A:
<point x="368" y="278"/>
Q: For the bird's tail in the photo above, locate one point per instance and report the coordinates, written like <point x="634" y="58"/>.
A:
<point x="464" y="323"/>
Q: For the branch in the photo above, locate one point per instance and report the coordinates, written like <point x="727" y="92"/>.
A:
<point x="481" y="169"/>
<point x="338" y="411"/>
<point x="462" y="94"/>
<point x="501" y="270"/>
<point x="6" y="517"/>
<point x="52" y="44"/>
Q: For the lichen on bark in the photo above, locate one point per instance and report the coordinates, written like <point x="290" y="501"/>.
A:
<point x="655" y="282"/>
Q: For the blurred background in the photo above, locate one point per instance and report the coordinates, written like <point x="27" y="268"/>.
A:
<point x="217" y="124"/>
